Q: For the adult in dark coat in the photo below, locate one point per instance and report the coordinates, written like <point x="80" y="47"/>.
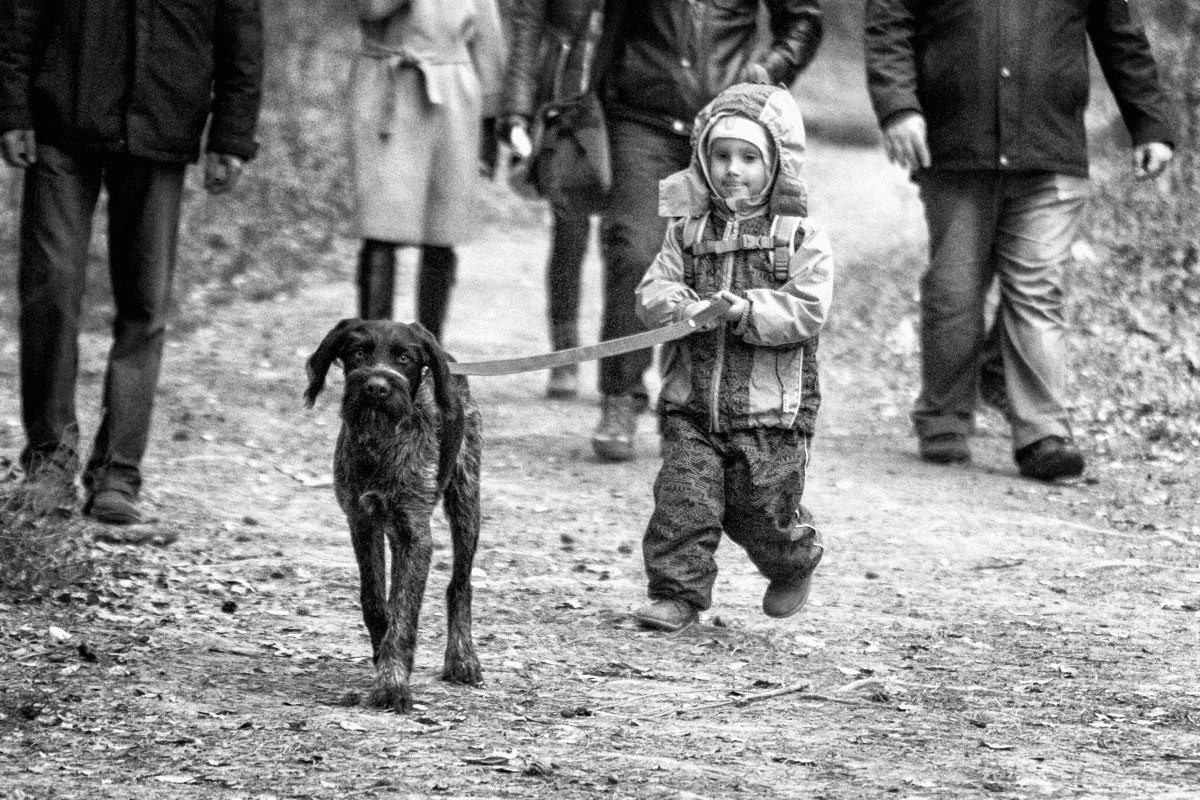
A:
<point x="984" y="101"/>
<point x="673" y="57"/>
<point x="113" y="94"/>
<point x="549" y="60"/>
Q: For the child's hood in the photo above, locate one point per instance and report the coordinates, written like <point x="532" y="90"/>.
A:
<point x="686" y="193"/>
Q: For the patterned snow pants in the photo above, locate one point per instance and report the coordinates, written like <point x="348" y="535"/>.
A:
<point x="745" y="483"/>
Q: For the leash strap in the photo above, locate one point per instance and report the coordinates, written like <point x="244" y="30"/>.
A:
<point x="612" y="347"/>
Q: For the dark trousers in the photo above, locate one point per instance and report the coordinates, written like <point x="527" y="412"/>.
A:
<point x="745" y="483"/>
<point x="631" y="234"/>
<point x="61" y="192"/>
<point x="564" y="271"/>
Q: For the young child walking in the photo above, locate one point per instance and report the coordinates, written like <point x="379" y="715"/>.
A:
<point x="739" y="400"/>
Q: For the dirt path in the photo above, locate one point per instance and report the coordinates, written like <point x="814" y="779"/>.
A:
<point x="971" y="634"/>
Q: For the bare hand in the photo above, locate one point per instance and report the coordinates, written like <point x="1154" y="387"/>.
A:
<point x="221" y="172"/>
<point x="19" y="148"/>
<point x="737" y="306"/>
<point x="905" y="141"/>
<point x="1150" y="159"/>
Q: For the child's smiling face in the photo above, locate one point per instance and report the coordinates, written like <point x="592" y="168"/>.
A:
<point x="737" y="168"/>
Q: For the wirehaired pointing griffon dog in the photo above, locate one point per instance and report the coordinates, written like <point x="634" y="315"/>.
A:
<point x="410" y="434"/>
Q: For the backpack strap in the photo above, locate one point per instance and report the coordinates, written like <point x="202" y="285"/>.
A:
<point x="693" y="235"/>
<point x="783" y="235"/>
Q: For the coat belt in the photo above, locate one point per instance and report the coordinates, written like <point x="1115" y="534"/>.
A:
<point x="396" y="59"/>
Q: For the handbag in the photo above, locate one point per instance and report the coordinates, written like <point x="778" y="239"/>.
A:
<point x="571" y="164"/>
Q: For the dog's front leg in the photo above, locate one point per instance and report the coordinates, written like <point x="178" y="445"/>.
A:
<point x="462" y="510"/>
<point x="412" y="549"/>
<point x="367" y="535"/>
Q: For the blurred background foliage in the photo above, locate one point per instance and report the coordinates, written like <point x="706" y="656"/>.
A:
<point x="1135" y="296"/>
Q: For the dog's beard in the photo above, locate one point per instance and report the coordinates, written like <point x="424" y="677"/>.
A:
<point x="367" y="415"/>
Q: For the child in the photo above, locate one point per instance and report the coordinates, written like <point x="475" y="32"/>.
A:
<point x="739" y="399"/>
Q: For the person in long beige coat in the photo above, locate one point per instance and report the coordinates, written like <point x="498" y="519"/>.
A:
<point x="427" y="75"/>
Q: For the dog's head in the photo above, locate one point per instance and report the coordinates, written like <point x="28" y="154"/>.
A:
<point x="384" y="363"/>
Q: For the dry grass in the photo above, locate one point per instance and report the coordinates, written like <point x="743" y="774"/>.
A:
<point x="42" y="541"/>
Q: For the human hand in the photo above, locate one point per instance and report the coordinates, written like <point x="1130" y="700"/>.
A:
<point x="737" y="306"/>
<point x="1150" y="159"/>
<point x="513" y="131"/>
<point x="905" y="141"/>
<point x="19" y="148"/>
<point x="221" y="172"/>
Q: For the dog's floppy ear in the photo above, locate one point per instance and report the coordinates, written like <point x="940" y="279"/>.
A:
<point x="321" y="360"/>
<point x="449" y="403"/>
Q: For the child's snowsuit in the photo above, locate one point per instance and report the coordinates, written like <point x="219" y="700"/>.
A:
<point x="739" y="403"/>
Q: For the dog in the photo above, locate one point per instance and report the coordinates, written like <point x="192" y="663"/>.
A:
<point x="410" y="435"/>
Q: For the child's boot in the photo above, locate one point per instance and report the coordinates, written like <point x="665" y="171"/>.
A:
<point x="670" y="616"/>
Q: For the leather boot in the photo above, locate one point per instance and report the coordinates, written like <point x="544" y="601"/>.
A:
<point x="439" y="266"/>
<point x="564" y="380"/>
<point x="376" y="279"/>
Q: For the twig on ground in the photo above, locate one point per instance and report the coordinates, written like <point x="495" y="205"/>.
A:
<point x="1174" y="538"/>
<point x="650" y="696"/>
<point x="797" y="690"/>
<point x="1016" y="562"/>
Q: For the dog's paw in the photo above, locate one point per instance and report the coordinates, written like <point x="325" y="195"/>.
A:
<point x="392" y="696"/>
<point x="462" y="667"/>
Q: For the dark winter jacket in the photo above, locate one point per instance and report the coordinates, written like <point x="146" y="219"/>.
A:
<point x="1003" y="83"/>
<point x="133" y="76"/>
<point x="544" y="61"/>
<point x="677" y="55"/>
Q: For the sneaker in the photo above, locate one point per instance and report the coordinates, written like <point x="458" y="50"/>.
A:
<point x="563" y="383"/>
<point x="113" y="506"/>
<point x="784" y="598"/>
<point x="613" y="438"/>
<point x="1050" y="458"/>
<point x="670" y="616"/>
<point x="945" y="448"/>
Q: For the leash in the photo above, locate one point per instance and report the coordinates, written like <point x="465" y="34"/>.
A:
<point x="612" y="347"/>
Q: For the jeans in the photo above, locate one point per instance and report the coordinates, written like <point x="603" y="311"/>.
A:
<point x="60" y="195"/>
<point x="564" y="271"/>
<point x="1018" y="228"/>
<point x="631" y="234"/>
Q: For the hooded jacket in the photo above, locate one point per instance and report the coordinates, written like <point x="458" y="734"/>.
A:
<point x="762" y="370"/>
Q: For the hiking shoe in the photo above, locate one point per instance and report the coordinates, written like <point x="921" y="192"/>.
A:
<point x="1050" y="458"/>
<point x="613" y="438"/>
<point x="563" y="383"/>
<point x="670" y="616"/>
<point x="945" y="448"/>
<point x="784" y="598"/>
<point x="113" y="506"/>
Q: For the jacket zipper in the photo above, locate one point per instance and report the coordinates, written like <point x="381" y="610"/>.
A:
<point x="714" y="396"/>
